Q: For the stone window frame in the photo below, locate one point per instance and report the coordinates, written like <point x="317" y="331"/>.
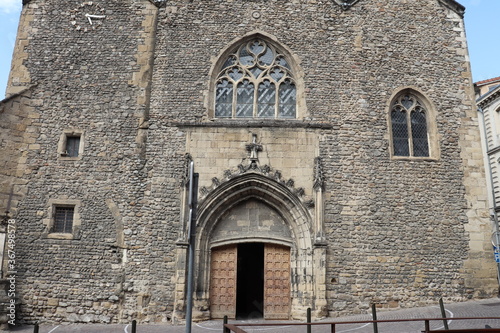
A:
<point x="63" y="140"/>
<point x="495" y="126"/>
<point x="295" y="69"/>
<point x="50" y="219"/>
<point x="432" y="134"/>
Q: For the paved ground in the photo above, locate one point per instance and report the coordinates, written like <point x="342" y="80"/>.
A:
<point x="483" y="308"/>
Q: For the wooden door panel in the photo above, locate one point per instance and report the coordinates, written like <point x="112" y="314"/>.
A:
<point x="223" y="282"/>
<point x="276" y="282"/>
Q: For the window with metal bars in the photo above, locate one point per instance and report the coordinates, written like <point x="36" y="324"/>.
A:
<point x="72" y="146"/>
<point x="409" y="127"/>
<point x="63" y="219"/>
<point x="255" y="81"/>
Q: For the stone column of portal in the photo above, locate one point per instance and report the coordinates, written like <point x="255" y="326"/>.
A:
<point x="319" y="251"/>
<point x="181" y="248"/>
<point x="180" y="281"/>
<point x="318" y="187"/>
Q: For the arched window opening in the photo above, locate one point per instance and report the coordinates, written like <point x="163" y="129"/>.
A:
<point x="265" y="87"/>
<point x="409" y="127"/>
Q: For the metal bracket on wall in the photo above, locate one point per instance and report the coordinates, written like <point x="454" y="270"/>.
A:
<point x="345" y="4"/>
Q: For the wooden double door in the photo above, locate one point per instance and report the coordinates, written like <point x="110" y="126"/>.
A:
<point x="250" y="280"/>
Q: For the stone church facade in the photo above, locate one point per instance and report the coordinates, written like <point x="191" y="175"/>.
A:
<point x="336" y="142"/>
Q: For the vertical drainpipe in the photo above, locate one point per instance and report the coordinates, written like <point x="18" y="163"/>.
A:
<point x="488" y="170"/>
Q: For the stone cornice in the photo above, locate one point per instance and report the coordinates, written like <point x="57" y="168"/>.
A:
<point x="493" y="150"/>
<point x="22" y="92"/>
<point x="246" y="123"/>
<point x="455" y="6"/>
<point x="488" y="98"/>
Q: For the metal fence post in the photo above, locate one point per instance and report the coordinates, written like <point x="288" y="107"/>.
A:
<point x="308" y="320"/>
<point x="35" y="329"/>
<point x="224" y="328"/>
<point x="134" y="326"/>
<point x="443" y="314"/>
<point x="374" y="315"/>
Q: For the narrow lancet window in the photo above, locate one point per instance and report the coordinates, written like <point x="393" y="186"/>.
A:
<point x="399" y="132"/>
<point x="224" y="99"/>
<point x="409" y="127"/>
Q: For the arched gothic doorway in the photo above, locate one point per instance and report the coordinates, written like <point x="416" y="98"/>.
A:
<point x="250" y="280"/>
<point x="249" y="275"/>
<point x="254" y="213"/>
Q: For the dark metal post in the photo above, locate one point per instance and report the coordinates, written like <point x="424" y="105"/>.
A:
<point x="374" y="315"/>
<point x="134" y="326"/>
<point x="443" y="314"/>
<point x="224" y="328"/>
<point x="193" y="201"/>
<point x="308" y="320"/>
<point x="35" y="330"/>
<point x="427" y="326"/>
<point x="332" y="329"/>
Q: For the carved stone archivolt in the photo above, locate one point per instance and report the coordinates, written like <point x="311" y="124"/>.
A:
<point x="265" y="170"/>
<point x="267" y="187"/>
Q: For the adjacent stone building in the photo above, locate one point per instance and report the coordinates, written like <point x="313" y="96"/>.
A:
<point x="488" y="105"/>
<point x="336" y="142"/>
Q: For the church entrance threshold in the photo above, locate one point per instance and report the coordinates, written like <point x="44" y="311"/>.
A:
<point x="250" y="280"/>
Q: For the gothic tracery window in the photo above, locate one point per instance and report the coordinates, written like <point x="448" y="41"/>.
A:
<point x="255" y="81"/>
<point x="409" y="127"/>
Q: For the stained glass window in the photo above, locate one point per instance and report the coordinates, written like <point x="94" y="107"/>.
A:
<point x="409" y="127"/>
<point x="255" y="82"/>
<point x="244" y="105"/>
<point x="419" y="132"/>
<point x="224" y="99"/>
<point x="266" y="99"/>
<point x="399" y="132"/>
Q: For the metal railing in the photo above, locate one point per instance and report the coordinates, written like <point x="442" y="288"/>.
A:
<point x="237" y="328"/>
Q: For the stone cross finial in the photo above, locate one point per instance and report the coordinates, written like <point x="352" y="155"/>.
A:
<point x="254" y="148"/>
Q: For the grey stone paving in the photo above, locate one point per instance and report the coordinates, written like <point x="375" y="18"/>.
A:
<point x="483" y="308"/>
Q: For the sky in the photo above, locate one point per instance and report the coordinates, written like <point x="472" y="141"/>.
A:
<point x="481" y="23"/>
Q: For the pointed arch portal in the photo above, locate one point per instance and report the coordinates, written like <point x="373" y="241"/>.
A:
<point x="255" y="222"/>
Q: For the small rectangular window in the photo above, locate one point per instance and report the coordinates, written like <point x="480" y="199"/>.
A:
<point x="63" y="219"/>
<point x="72" y="146"/>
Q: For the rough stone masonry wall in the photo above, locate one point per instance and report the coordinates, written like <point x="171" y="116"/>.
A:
<point x="17" y="138"/>
<point x="94" y="82"/>
<point x="397" y="230"/>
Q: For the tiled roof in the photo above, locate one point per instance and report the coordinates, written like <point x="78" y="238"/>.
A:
<point x="480" y="83"/>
